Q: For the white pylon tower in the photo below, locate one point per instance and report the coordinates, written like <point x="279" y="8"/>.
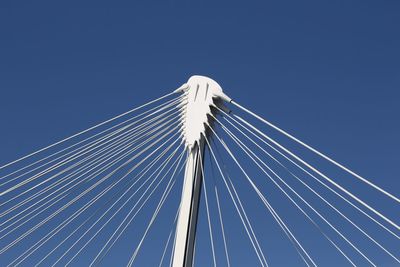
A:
<point x="202" y="94"/>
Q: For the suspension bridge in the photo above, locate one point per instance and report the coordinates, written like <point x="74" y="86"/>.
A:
<point x="190" y="178"/>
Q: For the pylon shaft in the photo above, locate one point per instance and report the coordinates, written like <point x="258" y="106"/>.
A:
<point x="187" y="220"/>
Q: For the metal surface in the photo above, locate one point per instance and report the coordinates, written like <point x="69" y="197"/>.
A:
<point x="202" y="94"/>
<point x="187" y="221"/>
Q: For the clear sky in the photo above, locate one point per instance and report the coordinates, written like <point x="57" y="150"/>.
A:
<point x="327" y="72"/>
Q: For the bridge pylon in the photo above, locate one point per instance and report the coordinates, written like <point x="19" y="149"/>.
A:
<point x="203" y="93"/>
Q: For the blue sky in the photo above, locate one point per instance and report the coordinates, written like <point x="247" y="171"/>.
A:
<point x="327" y="72"/>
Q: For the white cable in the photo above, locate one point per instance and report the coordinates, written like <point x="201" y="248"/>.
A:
<point x="308" y="173"/>
<point x="220" y="216"/>
<point x="81" y="181"/>
<point x="97" y="257"/>
<point x="262" y="262"/>
<point x="85" y="131"/>
<point x="163" y="198"/>
<point x="125" y="146"/>
<point x="290" y="236"/>
<point x="321" y="174"/>
<point x="169" y="237"/>
<point x="279" y="223"/>
<point x="241" y="145"/>
<point x="319" y="153"/>
<point x="160" y="204"/>
<point x="137" y="178"/>
<point x="158" y="108"/>
<point x="54" y="199"/>
<point x="256" y="189"/>
<point x="312" y="190"/>
<point x="222" y="227"/>
<point x="67" y="160"/>
<point x="207" y="209"/>
<point x="76" y="214"/>
<point x="80" y="195"/>
<point x="129" y="222"/>
<point x="77" y="171"/>
<point x="174" y="242"/>
<point x="246" y="218"/>
<point x="285" y="229"/>
<point x="158" y="169"/>
<point x="242" y="214"/>
<point x="122" y="142"/>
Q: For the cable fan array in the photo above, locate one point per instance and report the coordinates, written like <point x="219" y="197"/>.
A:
<point x="110" y="196"/>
